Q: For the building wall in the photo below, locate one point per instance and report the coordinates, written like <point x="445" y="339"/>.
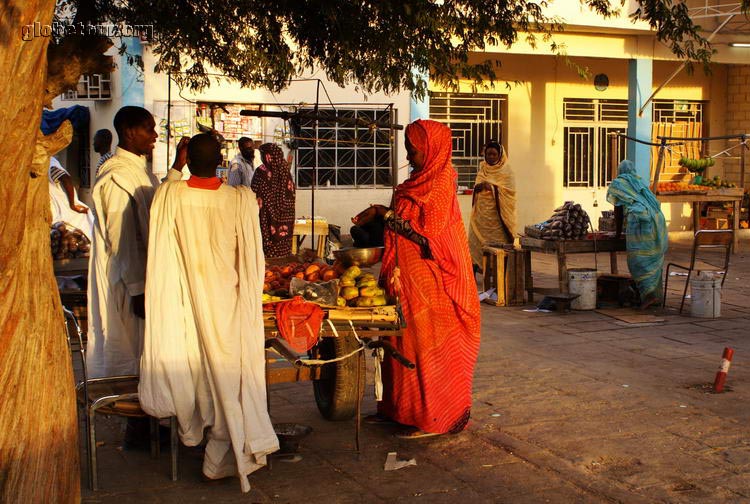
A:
<point x="536" y="88"/>
<point x="536" y="84"/>
<point x="737" y="118"/>
<point x="337" y="205"/>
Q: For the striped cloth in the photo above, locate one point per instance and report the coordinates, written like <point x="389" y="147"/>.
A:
<point x="102" y="160"/>
<point x="241" y="172"/>
<point x="439" y="297"/>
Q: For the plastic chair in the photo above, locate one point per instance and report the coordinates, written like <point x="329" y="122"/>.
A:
<point x="112" y="395"/>
<point x="705" y="239"/>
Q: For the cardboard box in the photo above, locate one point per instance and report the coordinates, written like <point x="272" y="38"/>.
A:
<point x="714" y="223"/>
<point x="717" y="212"/>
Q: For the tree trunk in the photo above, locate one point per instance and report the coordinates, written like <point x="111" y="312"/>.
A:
<point x="38" y="422"/>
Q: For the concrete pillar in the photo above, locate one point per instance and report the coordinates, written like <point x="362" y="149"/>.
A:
<point x="131" y="77"/>
<point x="420" y="109"/>
<point x="640" y="87"/>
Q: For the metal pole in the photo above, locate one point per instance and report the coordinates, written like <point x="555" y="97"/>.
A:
<point x="394" y="150"/>
<point x="169" y="113"/>
<point x="613" y="154"/>
<point x="315" y="167"/>
<point x="743" y="148"/>
<point x="679" y="68"/>
<point x="659" y="161"/>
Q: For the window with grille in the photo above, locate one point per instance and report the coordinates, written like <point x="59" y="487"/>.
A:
<point x="589" y="143"/>
<point x="677" y="118"/>
<point x="473" y="119"/>
<point x="90" y="87"/>
<point x="346" y="155"/>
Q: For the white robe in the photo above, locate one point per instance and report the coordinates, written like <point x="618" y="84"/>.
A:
<point x="117" y="268"/>
<point x="203" y="357"/>
<point x="60" y="207"/>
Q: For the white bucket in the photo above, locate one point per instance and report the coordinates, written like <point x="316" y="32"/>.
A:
<point x="582" y="281"/>
<point x="705" y="292"/>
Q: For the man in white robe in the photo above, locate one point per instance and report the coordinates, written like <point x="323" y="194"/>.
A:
<point x="64" y="202"/>
<point x="117" y="269"/>
<point x="203" y="357"/>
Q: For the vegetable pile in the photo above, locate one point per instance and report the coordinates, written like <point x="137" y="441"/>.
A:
<point x="569" y="222"/>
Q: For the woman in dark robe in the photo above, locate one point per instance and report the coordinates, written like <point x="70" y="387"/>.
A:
<point x="274" y="187"/>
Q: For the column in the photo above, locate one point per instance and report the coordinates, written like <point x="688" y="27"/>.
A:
<point x="131" y="77"/>
<point x="640" y="77"/>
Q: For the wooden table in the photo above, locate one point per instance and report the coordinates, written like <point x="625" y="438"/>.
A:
<point x="71" y="267"/>
<point x="564" y="247"/>
<point x="304" y="227"/>
<point x="697" y="199"/>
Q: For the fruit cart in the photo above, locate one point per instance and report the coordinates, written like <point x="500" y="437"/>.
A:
<point x="356" y="315"/>
<point x="336" y="364"/>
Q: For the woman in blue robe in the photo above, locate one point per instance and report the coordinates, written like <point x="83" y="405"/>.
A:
<point x="646" y="232"/>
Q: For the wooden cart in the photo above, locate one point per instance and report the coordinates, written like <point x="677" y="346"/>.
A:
<point x="339" y="385"/>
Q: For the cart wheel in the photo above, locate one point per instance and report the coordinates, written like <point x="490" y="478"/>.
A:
<point x="336" y="390"/>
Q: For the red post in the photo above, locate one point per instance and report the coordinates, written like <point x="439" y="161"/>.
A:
<point x="721" y="375"/>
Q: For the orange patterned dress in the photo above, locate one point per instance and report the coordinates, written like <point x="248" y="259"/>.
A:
<point x="439" y="296"/>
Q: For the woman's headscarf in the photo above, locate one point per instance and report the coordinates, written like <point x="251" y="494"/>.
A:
<point x="274" y="187"/>
<point x="427" y="199"/>
<point x="434" y="139"/>
<point x="629" y="189"/>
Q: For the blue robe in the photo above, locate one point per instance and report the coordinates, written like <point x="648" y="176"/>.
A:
<point x="646" y="231"/>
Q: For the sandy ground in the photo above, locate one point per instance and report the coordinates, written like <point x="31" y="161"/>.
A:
<point x="568" y="408"/>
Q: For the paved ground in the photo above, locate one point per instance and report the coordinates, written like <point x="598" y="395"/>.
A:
<point x="567" y="408"/>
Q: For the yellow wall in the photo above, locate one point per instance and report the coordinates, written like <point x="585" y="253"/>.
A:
<point x="535" y="125"/>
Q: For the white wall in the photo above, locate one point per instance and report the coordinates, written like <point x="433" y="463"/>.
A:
<point x="337" y="205"/>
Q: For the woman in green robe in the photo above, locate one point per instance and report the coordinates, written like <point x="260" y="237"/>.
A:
<point x="646" y="231"/>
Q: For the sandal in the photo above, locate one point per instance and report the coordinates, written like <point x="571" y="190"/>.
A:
<point x="415" y="433"/>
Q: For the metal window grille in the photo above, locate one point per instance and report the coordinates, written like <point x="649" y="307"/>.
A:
<point x="677" y="111"/>
<point x="588" y="141"/>
<point x="679" y="118"/>
<point x="588" y="144"/>
<point x="346" y="155"/>
<point x="90" y="87"/>
<point x="473" y="119"/>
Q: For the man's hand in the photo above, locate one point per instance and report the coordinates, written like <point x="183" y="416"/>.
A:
<point x="79" y="208"/>
<point x="369" y="214"/>
<point x="180" y="159"/>
<point x="139" y="305"/>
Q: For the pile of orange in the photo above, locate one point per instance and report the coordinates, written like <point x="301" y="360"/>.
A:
<point x="665" y="187"/>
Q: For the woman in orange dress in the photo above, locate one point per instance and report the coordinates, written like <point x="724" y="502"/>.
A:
<point x="427" y="263"/>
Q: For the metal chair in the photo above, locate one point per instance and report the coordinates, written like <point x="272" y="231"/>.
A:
<point x="705" y="239"/>
<point x="112" y="395"/>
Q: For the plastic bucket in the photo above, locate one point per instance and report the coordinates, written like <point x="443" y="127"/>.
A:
<point x="582" y="281"/>
<point x="705" y="297"/>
